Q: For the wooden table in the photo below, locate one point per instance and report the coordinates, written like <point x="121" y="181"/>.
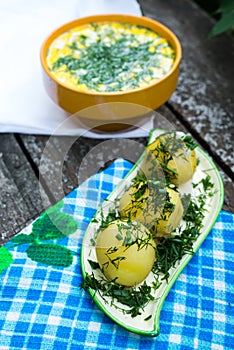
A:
<point x="202" y="105"/>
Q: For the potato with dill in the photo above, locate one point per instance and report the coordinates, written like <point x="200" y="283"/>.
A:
<point x="125" y="252"/>
<point x="171" y="214"/>
<point x="176" y="155"/>
<point x="159" y="209"/>
<point x="134" y="202"/>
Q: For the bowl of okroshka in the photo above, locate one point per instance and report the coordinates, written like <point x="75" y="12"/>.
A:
<point x="110" y="59"/>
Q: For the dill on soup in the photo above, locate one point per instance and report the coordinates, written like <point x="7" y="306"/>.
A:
<point x="109" y="57"/>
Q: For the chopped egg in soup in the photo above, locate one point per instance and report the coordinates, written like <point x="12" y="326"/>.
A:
<point x="109" y="57"/>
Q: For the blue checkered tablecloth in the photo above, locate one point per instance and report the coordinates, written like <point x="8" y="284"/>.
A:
<point x="43" y="307"/>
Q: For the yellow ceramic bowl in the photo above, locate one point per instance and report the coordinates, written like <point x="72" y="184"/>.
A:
<point x="85" y="104"/>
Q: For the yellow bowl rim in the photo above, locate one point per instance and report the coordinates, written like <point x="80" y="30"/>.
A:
<point x="111" y="18"/>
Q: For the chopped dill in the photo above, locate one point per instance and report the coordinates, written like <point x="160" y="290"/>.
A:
<point x="94" y="265"/>
<point x="164" y="149"/>
<point x="170" y="251"/>
<point x="206" y="183"/>
<point x="111" y="59"/>
<point x="148" y="318"/>
<point x="189" y="141"/>
<point x="115" y="262"/>
<point x="111" y="216"/>
<point x="134" y="298"/>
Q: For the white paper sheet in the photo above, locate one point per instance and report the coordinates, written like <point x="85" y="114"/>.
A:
<point x="24" y="24"/>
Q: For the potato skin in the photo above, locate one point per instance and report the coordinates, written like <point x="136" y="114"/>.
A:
<point x="160" y="210"/>
<point x="134" y="202"/>
<point x="169" y="219"/>
<point x="177" y="160"/>
<point x="128" y="264"/>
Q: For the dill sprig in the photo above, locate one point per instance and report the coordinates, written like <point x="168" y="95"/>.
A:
<point x="134" y="298"/>
<point x="189" y="141"/>
<point x="105" y="221"/>
<point x="165" y="148"/>
<point x="207" y="186"/>
<point x="170" y="251"/>
<point x="149" y="196"/>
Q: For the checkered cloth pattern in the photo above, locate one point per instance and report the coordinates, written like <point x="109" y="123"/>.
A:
<point x="42" y="307"/>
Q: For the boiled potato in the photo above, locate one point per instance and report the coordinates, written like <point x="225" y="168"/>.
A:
<point x="160" y="210"/>
<point x="125" y="252"/>
<point x="170" y="216"/>
<point x="142" y="201"/>
<point x="176" y="157"/>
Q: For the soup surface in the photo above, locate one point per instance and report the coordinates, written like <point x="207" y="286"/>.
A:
<point x="109" y="57"/>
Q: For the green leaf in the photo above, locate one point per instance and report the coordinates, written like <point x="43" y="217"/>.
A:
<point x="5" y="259"/>
<point x="22" y="239"/>
<point x="54" y="226"/>
<point x="225" y="6"/>
<point x="55" y="207"/>
<point x="50" y="254"/>
<point x="224" y="24"/>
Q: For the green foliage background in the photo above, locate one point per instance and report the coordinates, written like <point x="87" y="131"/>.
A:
<point x="222" y="11"/>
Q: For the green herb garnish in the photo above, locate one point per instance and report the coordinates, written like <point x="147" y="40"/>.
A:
<point x="114" y="59"/>
<point x="134" y="298"/>
<point x="189" y="141"/>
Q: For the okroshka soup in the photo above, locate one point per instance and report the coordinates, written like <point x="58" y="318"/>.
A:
<point x="109" y="57"/>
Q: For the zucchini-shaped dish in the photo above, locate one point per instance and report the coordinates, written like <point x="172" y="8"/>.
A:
<point x="146" y="231"/>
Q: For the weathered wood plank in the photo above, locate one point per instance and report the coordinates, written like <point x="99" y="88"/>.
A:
<point x="204" y="96"/>
<point x="65" y="162"/>
<point x="13" y="211"/>
<point x="70" y="156"/>
<point x="20" y="197"/>
<point x="87" y="156"/>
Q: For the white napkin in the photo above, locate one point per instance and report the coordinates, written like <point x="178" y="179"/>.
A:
<point x="24" y="24"/>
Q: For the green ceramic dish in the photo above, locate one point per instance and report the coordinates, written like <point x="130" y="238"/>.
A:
<point x="138" y="325"/>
